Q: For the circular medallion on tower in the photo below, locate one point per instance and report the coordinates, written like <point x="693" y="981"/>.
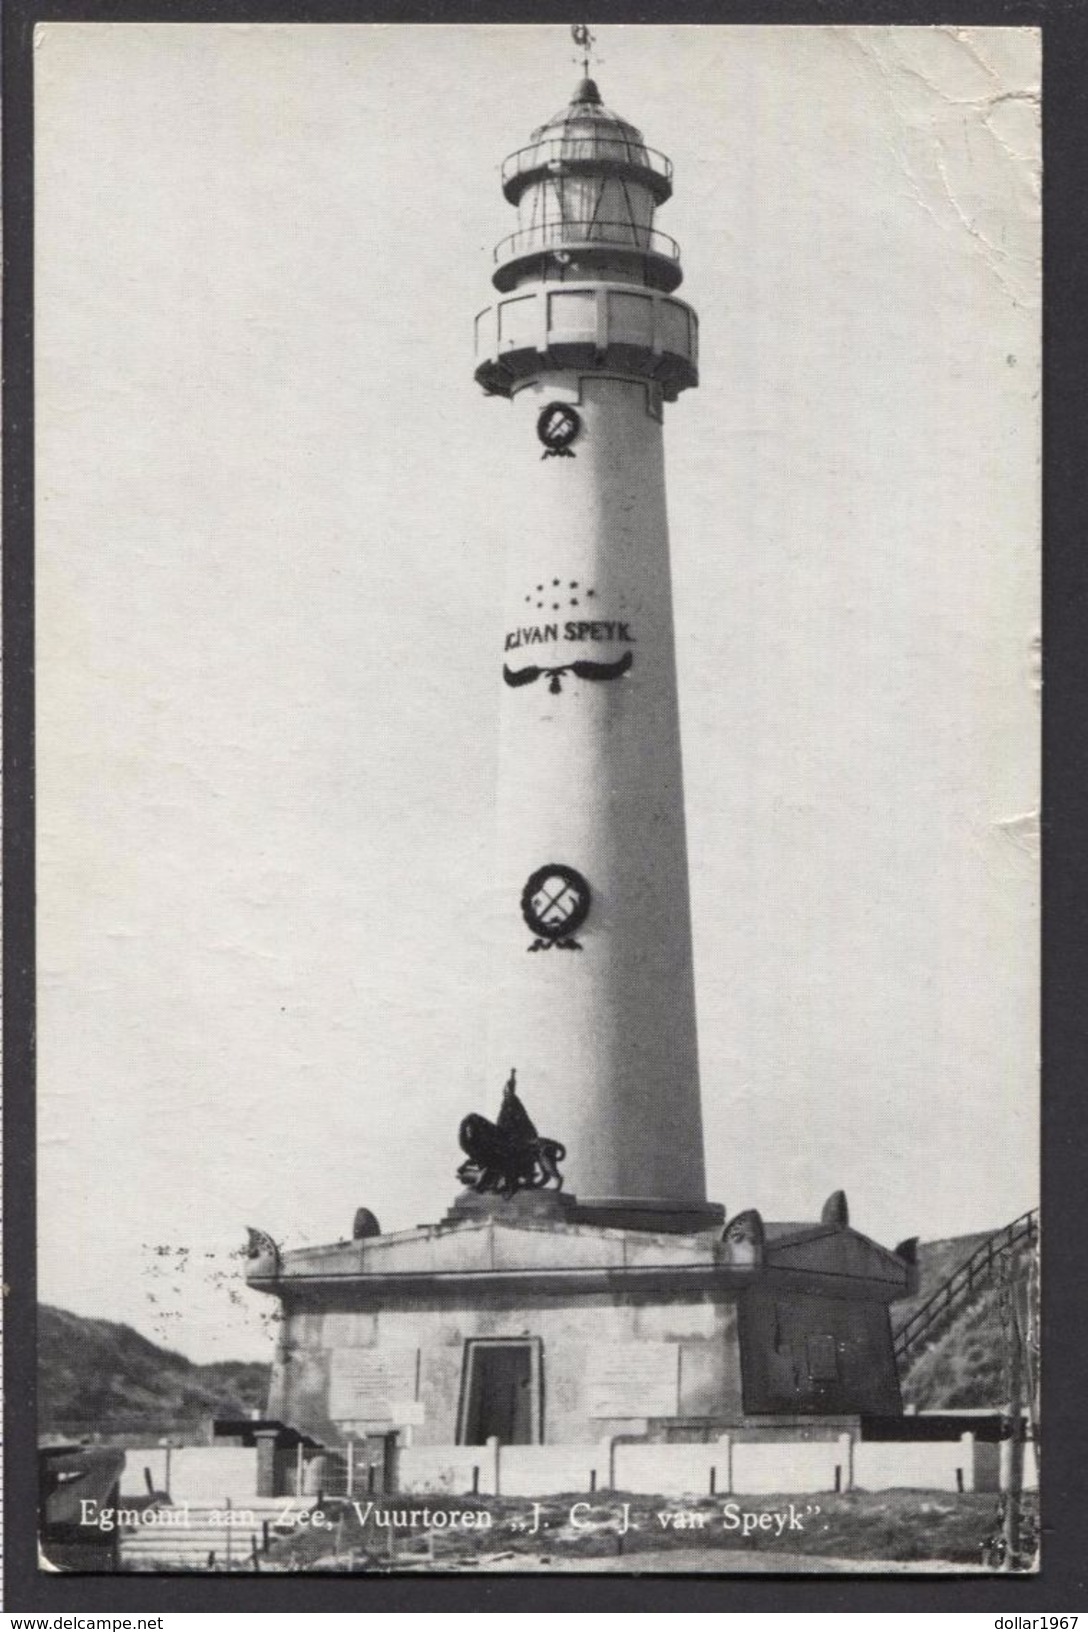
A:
<point x="557" y="427"/>
<point x="555" y="903"/>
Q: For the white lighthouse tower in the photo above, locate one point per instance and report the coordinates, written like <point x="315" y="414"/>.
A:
<point x="593" y="998"/>
<point x="617" y="1309"/>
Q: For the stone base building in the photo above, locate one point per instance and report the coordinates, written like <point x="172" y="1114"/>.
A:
<point x="515" y="1321"/>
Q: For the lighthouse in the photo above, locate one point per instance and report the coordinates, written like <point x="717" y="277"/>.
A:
<point x="593" y="997"/>
<point x="581" y="1297"/>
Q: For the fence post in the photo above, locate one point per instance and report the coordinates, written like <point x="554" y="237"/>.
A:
<point x="494" y="1445"/>
<point x="846" y="1459"/>
<point x="350" y="1481"/>
<point x="726" y="1463"/>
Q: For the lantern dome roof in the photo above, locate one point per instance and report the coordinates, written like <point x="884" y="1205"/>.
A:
<point x="586" y="108"/>
<point x="586" y="136"/>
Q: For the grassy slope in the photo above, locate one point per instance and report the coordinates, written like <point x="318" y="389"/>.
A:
<point x="937" y="1260"/>
<point x="98" y="1377"/>
<point x="964" y="1366"/>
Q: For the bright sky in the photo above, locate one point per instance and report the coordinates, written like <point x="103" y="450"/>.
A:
<point x="272" y="505"/>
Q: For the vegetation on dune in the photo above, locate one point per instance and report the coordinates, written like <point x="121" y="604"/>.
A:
<point x="964" y="1365"/>
<point x="99" y="1377"/>
<point x="937" y="1260"/>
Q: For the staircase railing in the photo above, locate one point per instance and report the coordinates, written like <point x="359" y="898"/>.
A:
<point x="955" y="1291"/>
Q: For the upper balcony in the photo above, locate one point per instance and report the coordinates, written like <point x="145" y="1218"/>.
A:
<point x="588" y="242"/>
<point x="615" y="328"/>
<point x="575" y="153"/>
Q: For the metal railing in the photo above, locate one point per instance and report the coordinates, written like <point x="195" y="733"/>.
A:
<point x="954" y="1292"/>
<point x="585" y="149"/>
<point x="577" y="234"/>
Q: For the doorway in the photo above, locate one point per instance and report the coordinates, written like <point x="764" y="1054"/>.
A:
<point x="500" y="1391"/>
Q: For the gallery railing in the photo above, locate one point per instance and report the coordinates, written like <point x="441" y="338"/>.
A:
<point x="577" y="234"/>
<point x="555" y="151"/>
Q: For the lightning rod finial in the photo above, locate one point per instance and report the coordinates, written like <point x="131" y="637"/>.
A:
<point x="584" y="40"/>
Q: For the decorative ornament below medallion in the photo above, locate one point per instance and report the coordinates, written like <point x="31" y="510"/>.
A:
<point x="583" y="669"/>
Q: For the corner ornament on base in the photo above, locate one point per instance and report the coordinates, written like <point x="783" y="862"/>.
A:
<point x="261" y="1252"/>
<point x="835" y="1210"/>
<point x="743" y="1238"/>
<point x="508" y="1155"/>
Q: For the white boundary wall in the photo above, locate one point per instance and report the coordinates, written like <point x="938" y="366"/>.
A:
<point x="933" y="1464"/>
<point x="455" y="1470"/>
<point x="219" y="1473"/>
<point x="545" y="1470"/>
<point x="671" y="1470"/>
<point x="791" y="1466"/>
<point x="198" y="1473"/>
<point x="724" y="1468"/>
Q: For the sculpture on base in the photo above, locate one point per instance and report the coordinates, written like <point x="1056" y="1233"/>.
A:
<point x="508" y="1155"/>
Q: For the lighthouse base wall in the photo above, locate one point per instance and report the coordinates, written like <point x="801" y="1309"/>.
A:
<point x="523" y="1366"/>
<point x="545" y="1333"/>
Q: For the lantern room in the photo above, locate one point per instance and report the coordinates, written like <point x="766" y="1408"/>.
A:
<point x="586" y="189"/>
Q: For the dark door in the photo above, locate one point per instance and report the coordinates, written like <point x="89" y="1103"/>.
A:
<point x="499" y="1399"/>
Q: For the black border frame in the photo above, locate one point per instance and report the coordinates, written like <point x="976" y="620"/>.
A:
<point x="1064" y="1576"/>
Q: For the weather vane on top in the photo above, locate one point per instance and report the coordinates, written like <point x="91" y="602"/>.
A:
<point x="585" y="42"/>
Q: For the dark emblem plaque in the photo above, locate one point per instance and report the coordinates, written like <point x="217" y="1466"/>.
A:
<point x="554" y="904"/>
<point x="557" y="427"/>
